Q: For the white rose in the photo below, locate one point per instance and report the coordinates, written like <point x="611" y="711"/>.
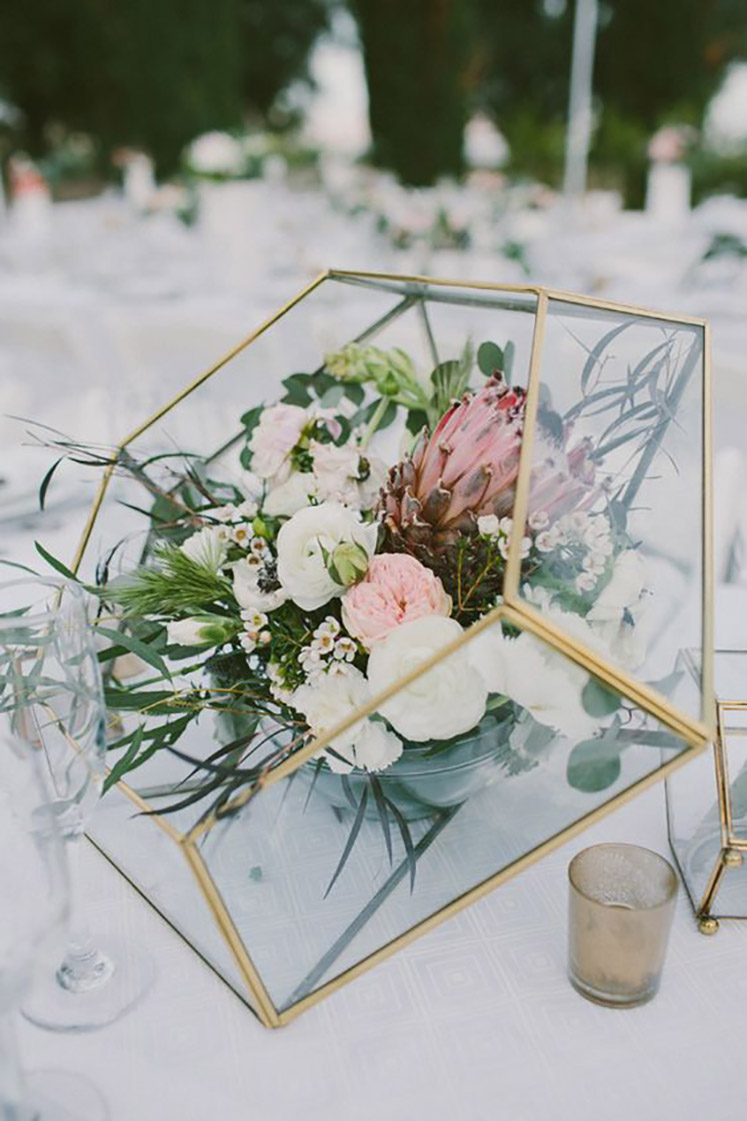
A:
<point x="207" y="547"/>
<point x="447" y="700"/>
<point x="368" y="743"/>
<point x="247" y="592"/>
<point x="300" y="544"/>
<point x="537" y="677"/>
<point x="273" y="440"/>
<point x="285" y="500"/>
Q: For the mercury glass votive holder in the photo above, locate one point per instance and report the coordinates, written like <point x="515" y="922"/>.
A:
<point x="621" y="904"/>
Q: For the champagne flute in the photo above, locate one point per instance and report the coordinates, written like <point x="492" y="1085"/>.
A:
<point x="51" y="697"/>
<point x="34" y="889"/>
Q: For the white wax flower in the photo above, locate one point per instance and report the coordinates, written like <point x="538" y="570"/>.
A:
<point x="443" y="702"/>
<point x="207" y="547"/>
<point x="274" y="438"/>
<point x="367" y="743"/>
<point x="302" y="543"/>
<point x="488" y="525"/>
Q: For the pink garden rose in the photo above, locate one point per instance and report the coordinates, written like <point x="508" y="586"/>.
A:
<point x="396" y="589"/>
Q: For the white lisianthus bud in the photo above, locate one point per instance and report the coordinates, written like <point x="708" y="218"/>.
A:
<point x="201" y="630"/>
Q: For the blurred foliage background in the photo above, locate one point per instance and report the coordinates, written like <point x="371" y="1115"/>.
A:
<point x="153" y="74"/>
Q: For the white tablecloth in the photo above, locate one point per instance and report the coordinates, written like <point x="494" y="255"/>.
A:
<point x="474" y="1021"/>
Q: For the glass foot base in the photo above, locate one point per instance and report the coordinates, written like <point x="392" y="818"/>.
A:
<point x="55" y="1095"/>
<point x="105" y="998"/>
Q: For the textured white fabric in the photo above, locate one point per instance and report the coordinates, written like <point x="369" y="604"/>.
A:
<point x="474" y="1021"/>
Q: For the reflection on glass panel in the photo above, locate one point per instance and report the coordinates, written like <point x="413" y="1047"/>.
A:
<point x="614" y="539"/>
<point x="325" y="868"/>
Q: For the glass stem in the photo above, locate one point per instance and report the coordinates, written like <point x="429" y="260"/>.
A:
<point x="12" y="1089"/>
<point x="84" y="967"/>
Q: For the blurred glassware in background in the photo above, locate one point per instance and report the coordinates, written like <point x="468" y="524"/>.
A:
<point x="35" y="890"/>
<point x="52" y="699"/>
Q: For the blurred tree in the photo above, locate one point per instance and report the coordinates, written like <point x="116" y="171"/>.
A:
<point x="276" y="40"/>
<point x="149" y="73"/>
<point x="655" y="62"/>
<point x="416" y="56"/>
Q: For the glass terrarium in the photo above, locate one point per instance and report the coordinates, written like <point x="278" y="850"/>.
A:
<point x="707" y="803"/>
<point x="377" y="647"/>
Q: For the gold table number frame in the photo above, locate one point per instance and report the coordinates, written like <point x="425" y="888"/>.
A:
<point x="206" y="855"/>
<point x="709" y="838"/>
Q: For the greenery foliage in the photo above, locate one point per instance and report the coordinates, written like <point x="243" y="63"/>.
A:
<point x="417" y="58"/>
<point x="150" y="73"/>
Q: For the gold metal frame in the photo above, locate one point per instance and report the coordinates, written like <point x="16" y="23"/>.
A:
<point x="733" y="847"/>
<point x="695" y="734"/>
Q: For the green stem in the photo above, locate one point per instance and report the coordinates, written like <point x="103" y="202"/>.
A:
<point x="374" y="422"/>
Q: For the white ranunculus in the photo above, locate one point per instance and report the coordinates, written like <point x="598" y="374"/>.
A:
<point x="247" y="592"/>
<point x="208" y="547"/>
<point x="617" y="616"/>
<point x="285" y="500"/>
<point x="368" y="743"/>
<point x="274" y="438"/>
<point x="446" y="700"/>
<point x="537" y="677"/>
<point x="301" y="544"/>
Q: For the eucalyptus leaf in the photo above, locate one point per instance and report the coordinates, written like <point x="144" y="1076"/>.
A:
<point x="598" y="700"/>
<point x="593" y="765"/>
<point x="490" y="358"/>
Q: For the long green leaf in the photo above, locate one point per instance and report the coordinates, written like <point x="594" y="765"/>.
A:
<point x="56" y="564"/>
<point x="381" y="806"/>
<point x="135" y="646"/>
<point x="47" y="480"/>
<point x="412" y="860"/>
<point x="352" y="837"/>
<point x="122" y="766"/>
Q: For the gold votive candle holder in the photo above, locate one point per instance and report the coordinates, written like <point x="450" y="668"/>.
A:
<point x="621" y="903"/>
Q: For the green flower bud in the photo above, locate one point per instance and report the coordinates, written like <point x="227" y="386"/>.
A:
<point x="348" y="563"/>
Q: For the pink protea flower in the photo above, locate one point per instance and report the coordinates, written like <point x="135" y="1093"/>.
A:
<point x="396" y="589"/>
<point x="467" y="468"/>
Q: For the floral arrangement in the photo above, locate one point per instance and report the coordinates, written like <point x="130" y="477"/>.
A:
<point x="289" y="599"/>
